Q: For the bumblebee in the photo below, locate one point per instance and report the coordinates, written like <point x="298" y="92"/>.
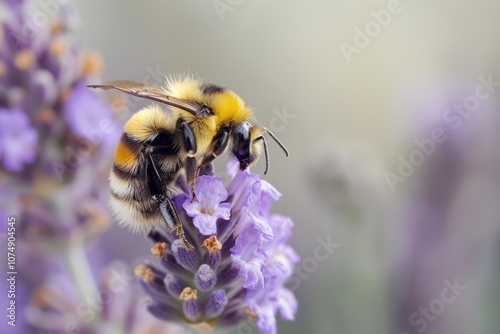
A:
<point x="202" y="121"/>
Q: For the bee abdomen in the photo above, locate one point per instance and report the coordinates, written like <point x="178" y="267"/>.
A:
<point x="127" y="154"/>
<point x="139" y="216"/>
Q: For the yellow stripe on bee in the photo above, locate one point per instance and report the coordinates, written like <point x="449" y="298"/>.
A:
<point x="119" y="186"/>
<point x="186" y="88"/>
<point x="204" y="130"/>
<point x="129" y="213"/>
<point x="257" y="146"/>
<point x="124" y="157"/>
<point x="229" y="107"/>
<point x="149" y="121"/>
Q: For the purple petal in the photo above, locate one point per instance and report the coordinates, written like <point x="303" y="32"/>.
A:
<point x="281" y="226"/>
<point x="251" y="273"/>
<point x="205" y="224"/>
<point x="233" y="168"/>
<point x="269" y="194"/>
<point x="224" y="211"/>
<point x="267" y="321"/>
<point x="261" y="224"/>
<point x="287" y="304"/>
<point x="247" y="260"/>
<point x="239" y="189"/>
<point x="210" y="190"/>
<point x="247" y="242"/>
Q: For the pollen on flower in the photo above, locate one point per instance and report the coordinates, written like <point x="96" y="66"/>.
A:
<point x="24" y="60"/>
<point x="57" y="48"/>
<point x="27" y="202"/>
<point x="56" y="27"/>
<point x="145" y="273"/>
<point x="42" y="296"/>
<point x="159" y="249"/>
<point x="209" y="212"/>
<point x="188" y="294"/>
<point x="98" y="219"/>
<point x="92" y="64"/>
<point x="212" y="244"/>
<point x="118" y="104"/>
<point x="251" y="314"/>
<point x="45" y="115"/>
<point x="64" y="94"/>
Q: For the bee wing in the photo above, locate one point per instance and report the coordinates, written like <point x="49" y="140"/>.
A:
<point x="149" y="92"/>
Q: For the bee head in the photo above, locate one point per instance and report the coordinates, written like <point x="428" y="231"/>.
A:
<point x="248" y="142"/>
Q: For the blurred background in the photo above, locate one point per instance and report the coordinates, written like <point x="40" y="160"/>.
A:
<point x="390" y="110"/>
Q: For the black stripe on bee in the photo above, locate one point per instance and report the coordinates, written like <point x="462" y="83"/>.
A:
<point x="133" y="145"/>
<point x="129" y="196"/>
<point x="123" y="174"/>
<point x="210" y="89"/>
<point x="146" y="209"/>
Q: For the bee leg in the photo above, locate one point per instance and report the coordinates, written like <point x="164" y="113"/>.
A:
<point x="191" y="168"/>
<point x="219" y="148"/>
<point x="221" y="144"/>
<point x="166" y="207"/>
<point x="189" y="140"/>
<point x="191" y="174"/>
<point x="190" y="162"/>
<point x="172" y="221"/>
<point x="169" y="214"/>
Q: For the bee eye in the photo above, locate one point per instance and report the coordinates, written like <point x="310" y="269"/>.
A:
<point x="241" y="146"/>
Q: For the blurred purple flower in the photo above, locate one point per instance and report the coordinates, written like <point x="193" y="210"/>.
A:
<point x="17" y="139"/>
<point x="84" y="113"/>
<point x="451" y="210"/>
<point x="237" y="271"/>
<point x="43" y="73"/>
<point x="82" y="110"/>
<point x="57" y="306"/>
<point x="55" y="151"/>
<point x="56" y="136"/>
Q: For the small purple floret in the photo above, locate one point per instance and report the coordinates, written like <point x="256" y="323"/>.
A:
<point x="207" y="207"/>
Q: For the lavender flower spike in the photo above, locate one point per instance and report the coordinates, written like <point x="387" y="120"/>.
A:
<point x="240" y="263"/>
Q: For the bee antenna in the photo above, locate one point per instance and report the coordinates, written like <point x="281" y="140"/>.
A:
<point x="266" y="152"/>
<point x="278" y="142"/>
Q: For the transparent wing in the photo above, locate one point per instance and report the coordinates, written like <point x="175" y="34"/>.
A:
<point x="150" y="92"/>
